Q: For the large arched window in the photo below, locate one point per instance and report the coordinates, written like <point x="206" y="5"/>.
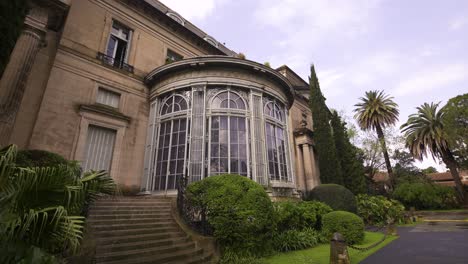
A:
<point x="228" y="136"/>
<point x="170" y="159"/>
<point x="275" y="139"/>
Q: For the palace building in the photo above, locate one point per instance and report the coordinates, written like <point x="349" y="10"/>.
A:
<point x="131" y="87"/>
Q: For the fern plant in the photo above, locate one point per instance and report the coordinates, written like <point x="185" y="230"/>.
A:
<point x="43" y="207"/>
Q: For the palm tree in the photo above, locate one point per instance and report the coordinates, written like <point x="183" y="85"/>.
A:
<point x="376" y="111"/>
<point x="42" y="208"/>
<point x="424" y="133"/>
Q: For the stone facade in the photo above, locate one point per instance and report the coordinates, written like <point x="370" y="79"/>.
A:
<point x="51" y="85"/>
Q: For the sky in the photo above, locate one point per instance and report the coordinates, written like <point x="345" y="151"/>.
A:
<point x="416" y="51"/>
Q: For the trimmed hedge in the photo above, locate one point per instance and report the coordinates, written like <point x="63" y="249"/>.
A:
<point x="239" y="210"/>
<point x="376" y="210"/>
<point x="39" y="158"/>
<point x="424" y="195"/>
<point x="336" y="196"/>
<point x="300" y="215"/>
<point x="348" y="224"/>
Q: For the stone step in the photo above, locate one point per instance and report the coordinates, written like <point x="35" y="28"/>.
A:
<point x="130" y="208"/>
<point x="133" y="225"/>
<point x="138" y="212"/>
<point x="131" y="203"/>
<point x="103" y="240"/>
<point x="145" y="252"/>
<point x="136" y="231"/>
<point x="176" y="257"/>
<point x="141" y="244"/>
<point x="98" y="221"/>
<point x="134" y="216"/>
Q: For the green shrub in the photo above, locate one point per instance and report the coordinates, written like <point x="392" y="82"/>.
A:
<point x="376" y="210"/>
<point x="348" y="224"/>
<point x="238" y="209"/>
<point x="39" y="158"/>
<point x="426" y="196"/>
<point x="294" y="239"/>
<point x="334" y="195"/>
<point x="299" y="215"/>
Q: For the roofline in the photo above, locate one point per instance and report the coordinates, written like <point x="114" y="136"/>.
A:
<point x="295" y="74"/>
<point x="223" y="61"/>
<point x="163" y="11"/>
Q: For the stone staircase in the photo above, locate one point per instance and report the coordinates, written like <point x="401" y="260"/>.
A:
<point x="135" y="230"/>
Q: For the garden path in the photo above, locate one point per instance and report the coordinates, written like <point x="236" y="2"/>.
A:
<point x="429" y="242"/>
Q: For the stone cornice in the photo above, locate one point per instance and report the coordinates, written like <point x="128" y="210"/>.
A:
<point x="225" y="62"/>
<point x="104" y="110"/>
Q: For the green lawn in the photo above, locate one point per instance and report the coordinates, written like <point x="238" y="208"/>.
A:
<point x="321" y="253"/>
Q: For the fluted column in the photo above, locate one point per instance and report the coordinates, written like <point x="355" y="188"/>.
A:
<point x="300" y="178"/>
<point x="15" y="76"/>
<point x="308" y="168"/>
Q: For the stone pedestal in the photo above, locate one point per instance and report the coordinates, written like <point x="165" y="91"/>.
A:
<point x="15" y="76"/>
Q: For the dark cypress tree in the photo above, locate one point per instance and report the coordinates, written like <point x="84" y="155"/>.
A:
<point x="352" y="168"/>
<point x="329" y="165"/>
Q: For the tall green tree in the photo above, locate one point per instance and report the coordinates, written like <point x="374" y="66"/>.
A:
<point x="375" y="111"/>
<point x="425" y="133"/>
<point x="11" y="23"/>
<point x="352" y="169"/>
<point x="329" y="165"/>
<point x="456" y="127"/>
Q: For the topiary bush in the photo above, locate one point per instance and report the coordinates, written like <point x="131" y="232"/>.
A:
<point x="299" y="215"/>
<point x="238" y="209"/>
<point x="39" y="158"/>
<point x="348" y="224"/>
<point x="376" y="210"/>
<point x="424" y="195"/>
<point x="336" y="196"/>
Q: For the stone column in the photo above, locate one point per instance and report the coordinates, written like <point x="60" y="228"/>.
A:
<point x="15" y="76"/>
<point x="315" y="168"/>
<point x="301" y="180"/>
<point x="308" y="168"/>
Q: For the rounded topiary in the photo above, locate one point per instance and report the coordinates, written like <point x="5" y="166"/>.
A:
<point x="334" y="195"/>
<point x="238" y="209"/>
<point x="39" y="158"/>
<point x="348" y="224"/>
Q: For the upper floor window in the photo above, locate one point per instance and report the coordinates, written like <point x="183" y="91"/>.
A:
<point x="172" y="56"/>
<point x="108" y="98"/>
<point x="118" y="47"/>
<point x="118" y="44"/>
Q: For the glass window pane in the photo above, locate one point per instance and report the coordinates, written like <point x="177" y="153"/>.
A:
<point x="215" y="150"/>
<point x="223" y="150"/>
<point x="215" y="122"/>
<point x="223" y="122"/>
<point x="234" y="150"/>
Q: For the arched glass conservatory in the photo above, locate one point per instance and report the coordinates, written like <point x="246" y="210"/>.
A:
<point x="216" y="120"/>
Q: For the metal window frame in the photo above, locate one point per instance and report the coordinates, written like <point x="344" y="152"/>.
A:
<point x="228" y="112"/>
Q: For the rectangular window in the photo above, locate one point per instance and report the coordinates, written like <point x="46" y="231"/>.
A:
<point x="108" y="98"/>
<point x="118" y="45"/>
<point x="99" y="148"/>
<point x="172" y="56"/>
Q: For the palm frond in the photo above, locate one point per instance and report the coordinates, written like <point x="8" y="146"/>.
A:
<point x="424" y="132"/>
<point x="376" y="109"/>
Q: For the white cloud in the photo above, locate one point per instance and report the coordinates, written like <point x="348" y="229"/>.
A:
<point x="305" y="27"/>
<point x="433" y="78"/>
<point x="458" y="23"/>
<point x="193" y="10"/>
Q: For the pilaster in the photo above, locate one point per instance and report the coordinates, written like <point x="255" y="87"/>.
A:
<point x="15" y="76"/>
